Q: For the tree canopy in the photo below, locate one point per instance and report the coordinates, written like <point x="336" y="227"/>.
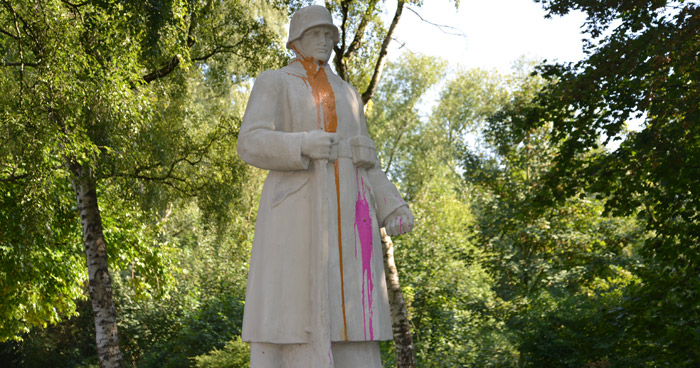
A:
<point x="96" y="97"/>
<point x="641" y="64"/>
<point x="556" y="205"/>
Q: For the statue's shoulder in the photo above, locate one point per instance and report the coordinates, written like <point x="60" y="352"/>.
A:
<point x="334" y="78"/>
<point x="337" y="81"/>
<point x="272" y="76"/>
<point x="293" y="69"/>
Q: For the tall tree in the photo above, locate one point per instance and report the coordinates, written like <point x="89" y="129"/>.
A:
<point x="529" y="249"/>
<point x="82" y="107"/>
<point x="641" y="64"/>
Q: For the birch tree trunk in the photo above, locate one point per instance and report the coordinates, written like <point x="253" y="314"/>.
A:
<point x="399" y="319"/>
<point x="100" y="283"/>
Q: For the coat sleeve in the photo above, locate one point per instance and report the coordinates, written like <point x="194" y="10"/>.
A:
<point x="261" y="142"/>
<point x="385" y="192"/>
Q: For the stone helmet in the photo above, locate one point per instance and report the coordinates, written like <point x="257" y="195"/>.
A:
<point x="308" y="17"/>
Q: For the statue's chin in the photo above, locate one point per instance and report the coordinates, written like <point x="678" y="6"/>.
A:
<point x="315" y="60"/>
<point x="319" y="61"/>
<point x="322" y="60"/>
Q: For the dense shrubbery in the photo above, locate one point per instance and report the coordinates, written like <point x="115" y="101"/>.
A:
<point x="235" y="354"/>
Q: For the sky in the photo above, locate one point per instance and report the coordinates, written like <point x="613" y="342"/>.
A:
<point x="488" y="34"/>
<point x="493" y="33"/>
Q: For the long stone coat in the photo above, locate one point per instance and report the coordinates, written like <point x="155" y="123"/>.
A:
<point x="280" y="110"/>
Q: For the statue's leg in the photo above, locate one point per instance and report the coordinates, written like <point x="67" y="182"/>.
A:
<point x="345" y="355"/>
<point x="298" y="356"/>
<point x="263" y="355"/>
<point x="357" y="354"/>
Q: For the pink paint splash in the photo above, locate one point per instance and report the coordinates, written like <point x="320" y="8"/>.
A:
<point x="363" y="231"/>
<point x="330" y="350"/>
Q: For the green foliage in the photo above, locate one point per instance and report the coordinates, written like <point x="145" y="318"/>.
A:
<point x="199" y="310"/>
<point x="535" y="246"/>
<point x="641" y="64"/>
<point x="589" y="328"/>
<point x="445" y="285"/>
<point x="235" y="354"/>
<point x="67" y="344"/>
<point x="147" y="96"/>
<point x="167" y="333"/>
<point x="204" y="307"/>
<point x="467" y="100"/>
<point x="39" y="236"/>
<point x="543" y="259"/>
<point x="393" y="115"/>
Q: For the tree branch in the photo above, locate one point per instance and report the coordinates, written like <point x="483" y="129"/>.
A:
<point x="381" y="60"/>
<point x="393" y="150"/>
<point x="338" y="60"/>
<point x="441" y="27"/>
<point x="345" y="6"/>
<point x="164" y="181"/>
<point x="20" y="64"/>
<point x="355" y="44"/>
<point x="13" y="178"/>
<point x="25" y="24"/>
<point x="74" y="5"/>
<point x="175" y="61"/>
<point x="21" y="56"/>
<point x="401" y="326"/>
<point x="163" y="71"/>
<point x="167" y="178"/>
<point x="9" y="34"/>
<point x="219" y="50"/>
<point x="199" y="152"/>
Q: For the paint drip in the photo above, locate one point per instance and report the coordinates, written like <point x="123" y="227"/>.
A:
<point x="363" y="232"/>
<point x="327" y="118"/>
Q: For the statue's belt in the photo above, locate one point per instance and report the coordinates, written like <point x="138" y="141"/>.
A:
<point x="344" y="149"/>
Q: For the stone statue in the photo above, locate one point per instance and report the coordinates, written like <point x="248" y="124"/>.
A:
<point x="316" y="292"/>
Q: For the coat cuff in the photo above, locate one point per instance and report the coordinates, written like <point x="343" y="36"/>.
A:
<point x="388" y="200"/>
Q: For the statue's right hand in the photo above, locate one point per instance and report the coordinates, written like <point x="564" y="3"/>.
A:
<point x="319" y="145"/>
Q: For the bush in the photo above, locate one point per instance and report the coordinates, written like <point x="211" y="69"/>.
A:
<point x="235" y="354"/>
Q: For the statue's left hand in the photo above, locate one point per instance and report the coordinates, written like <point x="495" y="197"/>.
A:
<point x="399" y="222"/>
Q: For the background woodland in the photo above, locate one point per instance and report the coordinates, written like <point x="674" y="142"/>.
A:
<point x="539" y="242"/>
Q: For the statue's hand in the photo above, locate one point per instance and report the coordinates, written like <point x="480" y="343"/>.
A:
<point x="319" y="145"/>
<point x="399" y="222"/>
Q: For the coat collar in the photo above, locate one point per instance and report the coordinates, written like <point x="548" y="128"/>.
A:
<point x="296" y="68"/>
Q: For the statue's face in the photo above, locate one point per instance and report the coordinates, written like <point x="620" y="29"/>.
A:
<point x="317" y="42"/>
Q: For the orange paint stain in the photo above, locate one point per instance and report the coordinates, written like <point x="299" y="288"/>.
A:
<point x="324" y="98"/>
